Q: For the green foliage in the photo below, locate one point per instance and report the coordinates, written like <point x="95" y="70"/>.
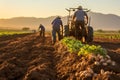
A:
<point x="87" y="49"/>
<point x="72" y="44"/>
<point x="107" y="35"/>
<point x="82" y="49"/>
<point x="6" y="33"/>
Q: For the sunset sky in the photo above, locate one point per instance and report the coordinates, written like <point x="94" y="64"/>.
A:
<point x="46" y="8"/>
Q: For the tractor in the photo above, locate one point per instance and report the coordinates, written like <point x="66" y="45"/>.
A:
<point x="69" y="29"/>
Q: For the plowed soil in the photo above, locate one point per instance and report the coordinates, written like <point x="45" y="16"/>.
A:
<point x="31" y="57"/>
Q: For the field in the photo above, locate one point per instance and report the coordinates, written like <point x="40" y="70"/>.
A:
<point x="31" y="57"/>
<point x="12" y="32"/>
<point x="107" y="35"/>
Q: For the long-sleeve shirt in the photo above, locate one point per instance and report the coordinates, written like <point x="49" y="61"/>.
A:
<point x="57" y="23"/>
<point x="79" y="15"/>
<point x="42" y="28"/>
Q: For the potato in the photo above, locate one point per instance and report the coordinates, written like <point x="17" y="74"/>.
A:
<point x="96" y="63"/>
<point x="90" y="70"/>
<point x="108" y="56"/>
<point x="102" y="60"/>
<point x="102" y="71"/>
<point x="104" y="64"/>
<point x="113" y="63"/>
<point x="108" y="61"/>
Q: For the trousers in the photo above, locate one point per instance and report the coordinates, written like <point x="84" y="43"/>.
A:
<point x="54" y="35"/>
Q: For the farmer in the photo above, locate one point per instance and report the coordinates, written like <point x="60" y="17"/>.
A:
<point x="42" y="30"/>
<point x="79" y="18"/>
<point x="56" y="26"/>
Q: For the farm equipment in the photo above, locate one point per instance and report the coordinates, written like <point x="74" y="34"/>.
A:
<point x="69" y="29"/>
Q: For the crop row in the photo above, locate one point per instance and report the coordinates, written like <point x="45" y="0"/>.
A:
<point x="5" y="33"/>
<point x="75" y="46"/>
<point x="107" y="35"/>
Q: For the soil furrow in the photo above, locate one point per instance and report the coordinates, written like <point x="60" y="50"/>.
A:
<point x="31" y="57"/>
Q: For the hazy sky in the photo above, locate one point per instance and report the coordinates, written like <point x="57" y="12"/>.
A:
<point x="46" y="8"/>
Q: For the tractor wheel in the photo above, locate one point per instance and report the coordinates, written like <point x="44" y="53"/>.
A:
<point x="66" y="31"/>
<point x="89" y="37"/>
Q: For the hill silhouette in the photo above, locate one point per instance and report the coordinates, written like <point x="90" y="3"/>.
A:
<point x="105" y="21"/>
<point x="98" y="21"/>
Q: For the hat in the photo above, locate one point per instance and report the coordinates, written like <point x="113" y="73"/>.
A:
<point x="79" y="7"/>
<point x="58" y="17"/>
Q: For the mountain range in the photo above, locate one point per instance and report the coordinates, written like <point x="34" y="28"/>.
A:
<point x="98" y="21"/>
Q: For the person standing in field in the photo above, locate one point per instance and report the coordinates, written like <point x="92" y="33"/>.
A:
<point x="56" y="25"/>
<point x="79" y="18"/>
<point x="42" y="30"/>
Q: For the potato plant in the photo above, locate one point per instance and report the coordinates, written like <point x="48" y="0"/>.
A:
<point x="72" y="44"/>
<point x="87" y="49"/>
<point x="76" y="46"/>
